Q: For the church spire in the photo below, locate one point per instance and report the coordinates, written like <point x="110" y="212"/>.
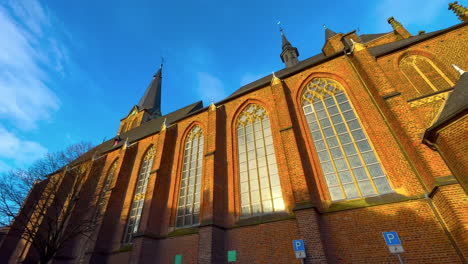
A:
<point x="329" y="33"/>
<point x="289" y="54"/>
<point x="151" y="100"/>
<point x="459" y="10"/>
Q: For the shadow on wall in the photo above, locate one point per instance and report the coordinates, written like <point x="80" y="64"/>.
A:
<point x="355" y="236"/>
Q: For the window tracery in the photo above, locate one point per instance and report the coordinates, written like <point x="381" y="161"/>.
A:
<point x="139" y="196"/>
<point x="347" y="159"/>
<point x="424" y="75"/>
<point x="260" y="188"/>
<point x="188" y="207"/>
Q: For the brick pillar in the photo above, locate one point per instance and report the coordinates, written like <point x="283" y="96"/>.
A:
<point x="211" y="236"/>
<point x="308" y="227"/>
<point x="154" y="208"/>
<point x="289" y="145"/>
<point x="211" y="247"/>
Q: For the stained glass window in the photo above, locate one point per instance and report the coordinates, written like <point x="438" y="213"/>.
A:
<point x="188" y="207"/>
<point x="260" y="188"/>
<point x="139" y="196"/>
<point x="348" y="161"/>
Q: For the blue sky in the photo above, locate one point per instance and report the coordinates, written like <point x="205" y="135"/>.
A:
<point x="70" y="70"/>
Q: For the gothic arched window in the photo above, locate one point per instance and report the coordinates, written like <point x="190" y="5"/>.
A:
<point x="347" y="159"/>
<point x="188" y="207"/>
<point x="107" y="184"/>
<point x="139" y="196"/>
<point x="260" y="189"/>
<point x="424" y="75"/>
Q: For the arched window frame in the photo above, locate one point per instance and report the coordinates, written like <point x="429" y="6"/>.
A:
<point x="410" y="61"/>
<point x="138" y="200"/>
<point x="242" y="120"/>
<point x="307" y="94"/>
<point x="107" y="184"/>
<point x="187" y="217"/>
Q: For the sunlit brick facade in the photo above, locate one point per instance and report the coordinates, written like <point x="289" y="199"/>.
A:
<point x="331" y="150"/>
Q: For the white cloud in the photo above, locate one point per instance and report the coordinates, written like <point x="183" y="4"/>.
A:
<point x="408" y="12"/>
<point x="250" y="77"/>
<point x="32" y="56"/>
<point x="28" y="49"/>
<point x="210" y="87"/>
<point x="18" y="150"/>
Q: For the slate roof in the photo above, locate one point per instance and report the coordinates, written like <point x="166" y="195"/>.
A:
<point x="329" y="33"/>
<point x="312" y="61"/>
<point x="149" y="128"/>
<point x="369" y="37"/>
<point x="385" y="49"/>
<point x="151" y="100"/>
<point x="456" y="104"/>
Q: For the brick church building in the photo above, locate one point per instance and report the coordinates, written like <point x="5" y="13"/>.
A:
<point x="369" y="136"/>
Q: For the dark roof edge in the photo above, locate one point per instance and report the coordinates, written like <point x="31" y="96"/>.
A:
<point x="430" y="133"/>
<point x="428" y="36"/>
<point x="157" y="131"/>
<point x="281" y="75"/>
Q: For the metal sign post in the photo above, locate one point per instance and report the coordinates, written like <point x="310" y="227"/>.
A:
<point x="394" y="244"/>
<point x="299" y="249"/>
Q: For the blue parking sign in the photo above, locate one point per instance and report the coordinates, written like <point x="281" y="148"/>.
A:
<point x="391" y="238"/>
<point x="298" y="245"/>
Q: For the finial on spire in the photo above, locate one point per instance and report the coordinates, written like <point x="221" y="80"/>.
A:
<point x="275" y="80"/>
<point x="280" y="28"/>
<point x="459" y="10"/>
<point x="163" y="126"/>
<point x="460" y="70"/>
<point x="212" y="106"/>
<point x="162" y="62"/>
<point x="125" y="144"/>
<point x="324" y="26"/>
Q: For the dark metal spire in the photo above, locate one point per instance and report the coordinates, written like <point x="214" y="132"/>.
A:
<point x="329" y="33"/>
<point x="151" y="101"/>
<point x="289" y="54"/>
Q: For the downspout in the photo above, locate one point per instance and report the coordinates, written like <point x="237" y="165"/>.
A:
<point x="427" y="195"/>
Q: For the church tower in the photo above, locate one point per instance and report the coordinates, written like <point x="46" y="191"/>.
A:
<point x="289" y="54"/>
<point x="148" y="108"/>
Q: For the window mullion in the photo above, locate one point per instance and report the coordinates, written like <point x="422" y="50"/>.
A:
<point x="247" y="167"/>
<point x="358" y="151"/>
<point x="340" y="144"/>
<point x="254" y="138"/>
<point x="268" y="166"/>
<point x="424" y="77"/>
<point x="327" y="148"/>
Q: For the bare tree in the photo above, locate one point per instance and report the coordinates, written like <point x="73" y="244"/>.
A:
<point x="39" y="203"/>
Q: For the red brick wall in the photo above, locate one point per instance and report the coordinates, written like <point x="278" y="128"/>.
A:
<point x="355" y="236"/>
<point x="452" y="143"/>
<point x="452" y="203"/>
<point x="263" y="243"/>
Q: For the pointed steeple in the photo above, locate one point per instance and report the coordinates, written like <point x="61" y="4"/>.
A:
<point x="289" y="54"/>
<point x="459" y="10"/>
<point x="151" y="101"/>
<point x="329" y="33"/>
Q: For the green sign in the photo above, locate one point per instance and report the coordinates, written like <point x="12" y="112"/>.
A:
<point x="232" y="256"/>
<point x="178" y="259"/>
